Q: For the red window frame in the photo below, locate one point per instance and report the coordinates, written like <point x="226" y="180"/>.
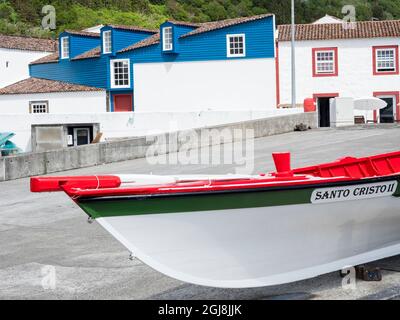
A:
<point x="325" y="95"/>
<point x="374" y="62"/>
<point x="396" y="94"/>
<point x="314" y="62"/>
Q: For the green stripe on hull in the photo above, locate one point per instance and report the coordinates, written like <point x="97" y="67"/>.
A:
<point x="100" y="207"/>
<point x="205" y="202"/>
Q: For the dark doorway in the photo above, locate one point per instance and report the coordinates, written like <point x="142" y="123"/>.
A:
<point x="324" y="112"/>
<point x="80" y="135"/>
<point x="386" y="115"/>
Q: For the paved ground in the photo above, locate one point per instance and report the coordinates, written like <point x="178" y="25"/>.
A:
<point x="42" y="230"/>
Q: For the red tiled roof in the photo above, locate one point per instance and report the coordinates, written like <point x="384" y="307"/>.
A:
<point x="184" y="23"/>
<point x="51" y="58"/>
<point x="94" y="53"/>
<point x="83" y="33"/>
<point x="131" y="28"/>
<point x="362" y="29"/>
<point x="27" y="43"/>
<point x="36" y="85"/>
<point x="210" y="26"/>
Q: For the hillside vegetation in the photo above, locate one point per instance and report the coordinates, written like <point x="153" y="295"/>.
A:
<point x="23" y="17"/>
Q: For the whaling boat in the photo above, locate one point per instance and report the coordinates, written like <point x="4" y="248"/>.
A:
<point x="249" y="231"/>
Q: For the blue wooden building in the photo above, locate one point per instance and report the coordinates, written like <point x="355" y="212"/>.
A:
<point x="222" y="65"/>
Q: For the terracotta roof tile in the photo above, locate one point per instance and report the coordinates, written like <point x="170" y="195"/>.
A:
<point x="210" y="26"/>
<point x="83" y="33"/>
<point x="132" y="28"/>
<point x="51" y="58"/>
<point x="184" y="23"/>
<point x="363" y="29"/>
<point x="36" y="85"/>
<point x="94" y="53"/>
<point x="27" y="43"/>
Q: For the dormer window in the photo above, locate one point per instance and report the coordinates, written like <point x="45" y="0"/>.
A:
<point x="107" y="42"/>
<point x="167" y="39"/>
<point x="64" y="47"/>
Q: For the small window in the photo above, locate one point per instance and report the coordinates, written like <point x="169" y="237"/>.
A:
<point x="385" y="60"/>
<point x="107" y="42"/>
<point x="236" y="45"/>
<point x="325" y="62"/>
<point x="167" y="39"/>
<point x="120" y="74"/>
<point x="65" y="48"/>
<point x="39" y="107"/>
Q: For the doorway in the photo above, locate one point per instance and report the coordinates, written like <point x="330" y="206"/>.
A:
<point x="387" y="114"/>
<point x="123" y="103"/>
<point x="324" y="115"/>
<point x="81" y="136"/>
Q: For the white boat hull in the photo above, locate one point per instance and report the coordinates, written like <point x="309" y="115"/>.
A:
<point x="266" y="246"/>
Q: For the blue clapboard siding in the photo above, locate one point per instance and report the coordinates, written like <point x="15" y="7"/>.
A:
<point x="124" y="38"/>
<point x="212" y="45"/>
<point x="80" y="44"/>
<point x="90" y="72"/>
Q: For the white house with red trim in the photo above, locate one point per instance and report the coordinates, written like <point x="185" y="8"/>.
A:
<point x="16" y="53"/>
<point x="334" y="61"/>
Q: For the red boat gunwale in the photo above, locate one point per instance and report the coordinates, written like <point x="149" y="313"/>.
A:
<point x="343" y="170"/>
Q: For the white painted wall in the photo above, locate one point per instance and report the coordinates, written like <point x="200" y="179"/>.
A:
<point x="355" y="78"/>
<point x="247" y="84"/>
<point x="18" y="64"/>
<point x="59" y="103"/>
<point x="129" y="124"/>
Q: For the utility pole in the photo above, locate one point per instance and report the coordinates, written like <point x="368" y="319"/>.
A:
<point x="293" y="56"/>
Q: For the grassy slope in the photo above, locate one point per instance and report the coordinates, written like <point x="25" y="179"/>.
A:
<point x="24" y="17"/>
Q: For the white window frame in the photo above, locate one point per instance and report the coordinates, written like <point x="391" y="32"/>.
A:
<point x="383" y="60"/>
<point x="112" y="73"/>
<point x="107" y="35"/>
<point x="42" y="105"/>
<point x="333" y="61"/>
<point x="168" y="46"/>
<point x="64" y="54"/>
<point x="228" y="45"/>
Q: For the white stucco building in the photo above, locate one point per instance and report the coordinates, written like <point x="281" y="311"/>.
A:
<point x="247" y="84"/>
<point x="334" y="61"/>
<point x="16" y="53"/>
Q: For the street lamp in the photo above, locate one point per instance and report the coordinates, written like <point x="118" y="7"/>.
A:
<point x="293" y="57"/>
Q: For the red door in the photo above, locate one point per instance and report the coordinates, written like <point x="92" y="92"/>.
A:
<point x="122" y="103"/>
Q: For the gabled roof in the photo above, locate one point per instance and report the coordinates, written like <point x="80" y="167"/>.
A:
<point x="83" y="33"/>
<point x="36" y="85"/>
<point x="93" y="53"/>
<point x="330" y="31"/>
<point x="211" y="26"/>
<point x="27" y="43"/>
<point x="131" y="28"/>
<point x="94" y="29"/>
<point x="328" y="19"/>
